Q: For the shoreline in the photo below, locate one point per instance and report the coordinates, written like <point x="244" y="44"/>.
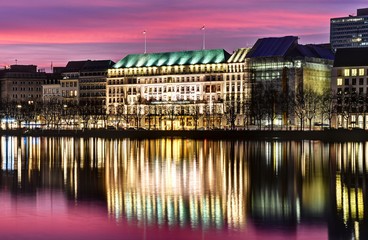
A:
<point x="333" y="135"/>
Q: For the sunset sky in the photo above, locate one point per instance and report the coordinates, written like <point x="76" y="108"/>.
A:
<point x="43" y="31"/>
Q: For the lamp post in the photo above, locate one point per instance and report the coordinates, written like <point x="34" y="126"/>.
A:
<point x="19" y="117"/>
<point x="65" y="107"/>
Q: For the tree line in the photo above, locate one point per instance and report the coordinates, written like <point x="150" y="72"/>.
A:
<point x="268" y="108"/>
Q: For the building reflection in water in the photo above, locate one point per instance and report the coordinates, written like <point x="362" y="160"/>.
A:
<point x="177" y="182"/>
<point x="351" y="190"/>
<point x="288" y="182"/>
<point x="200" y="184"/>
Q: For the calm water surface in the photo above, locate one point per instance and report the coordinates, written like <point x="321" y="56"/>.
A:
<point x="69" y="188"/>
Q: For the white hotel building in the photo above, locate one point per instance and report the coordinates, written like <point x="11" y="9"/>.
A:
<point x="178" y="90"/>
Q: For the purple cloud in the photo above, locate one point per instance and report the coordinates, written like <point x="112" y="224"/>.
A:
<point x="42" y="31"/>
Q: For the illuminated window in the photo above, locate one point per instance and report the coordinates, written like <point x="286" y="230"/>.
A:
<point x="346" y="72"/>
<point x="354" y="72"/>
<point x="361" y="72"/>
<point x="339" y="81"/>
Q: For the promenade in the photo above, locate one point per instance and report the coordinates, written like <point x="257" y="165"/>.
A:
<point x="334" y="135"/>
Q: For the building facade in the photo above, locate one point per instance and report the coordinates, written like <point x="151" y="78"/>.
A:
<point x="350" y="31"/>
<point x="21" y="83"/>
<point x="69" y="84"/>
<point x="92" y="85"/>
<point x="212" y="89"/>
<point x="349" y="85"/>
<point x="281" y="72"/>
<point x="176" y="90"/>
<point x="51" y="88"/>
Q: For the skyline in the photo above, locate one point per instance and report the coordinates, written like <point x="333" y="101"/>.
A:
<point x="58" y="32"/>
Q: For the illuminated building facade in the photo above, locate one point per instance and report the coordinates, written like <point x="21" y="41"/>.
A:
<point x="177" y="90"/>
<point x="51" y="88"/>
<point x="81" y="82"/>
<point x="281" y="69"/>
<point x="70" y="82"/>
<point x="350" y="86"/>
<point x="351" y="31"/>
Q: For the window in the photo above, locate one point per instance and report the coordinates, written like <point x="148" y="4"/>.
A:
<point x="354" y="72"/>
<point x="353" y="82"/>
<point x="346" y="72"/>
<point x="339" y="81"/>
<point x="346" y="81"/>
<point x="361" y="71"/>
<point x="339" y="72"/>
<point x="361" y="81"/>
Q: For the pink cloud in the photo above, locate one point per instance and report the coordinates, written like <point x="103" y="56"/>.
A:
<point x="170" y="25"/>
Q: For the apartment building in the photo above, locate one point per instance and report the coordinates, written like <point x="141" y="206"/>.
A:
<point x="349" y="84"/>
<point x="92" y="84"/>
<point x="21" y="83"/>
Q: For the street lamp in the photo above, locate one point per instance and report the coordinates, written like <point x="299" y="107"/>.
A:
<point x="65" y="113"/>
<point x="19" y="118"/>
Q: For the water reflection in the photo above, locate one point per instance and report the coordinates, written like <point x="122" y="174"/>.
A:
<point x="250" y="187"/>
<point x="176" y="182"/>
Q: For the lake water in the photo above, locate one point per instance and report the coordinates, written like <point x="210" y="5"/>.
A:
<point x="93" y="188"/>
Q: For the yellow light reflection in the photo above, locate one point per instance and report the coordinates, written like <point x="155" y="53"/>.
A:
<point x="158" y="181"/>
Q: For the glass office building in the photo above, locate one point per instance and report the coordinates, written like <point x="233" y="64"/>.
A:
<point x="350" y="31"/>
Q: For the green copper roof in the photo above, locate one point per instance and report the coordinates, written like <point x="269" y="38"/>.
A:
<point x="173" y="58"/>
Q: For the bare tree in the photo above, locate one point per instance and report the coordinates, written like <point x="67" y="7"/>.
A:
<point x="271" y="104"/>
<point x="85" y="112"/>
<point x="246" y="106"/>
<point x="311" y="101"/>
<point x="208" y="115"/>
<point x="195" y="113"/>
<point x="257" y="106"/>
<point x="328" y="106"/>
<point x="299" y="108"/>
<point x="346" y="108"/>
<point x="230" y="114"/>
<point x="171" y="114"/>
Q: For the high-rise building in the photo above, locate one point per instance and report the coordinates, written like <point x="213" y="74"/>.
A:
<point x="350" y="31"/>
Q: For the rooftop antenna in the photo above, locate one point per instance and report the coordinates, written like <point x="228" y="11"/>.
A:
<point x="203" y="29"/>
<point x="52" y="67"/>
<point x="16" y="61"/>
<point x="145" y="41"/>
